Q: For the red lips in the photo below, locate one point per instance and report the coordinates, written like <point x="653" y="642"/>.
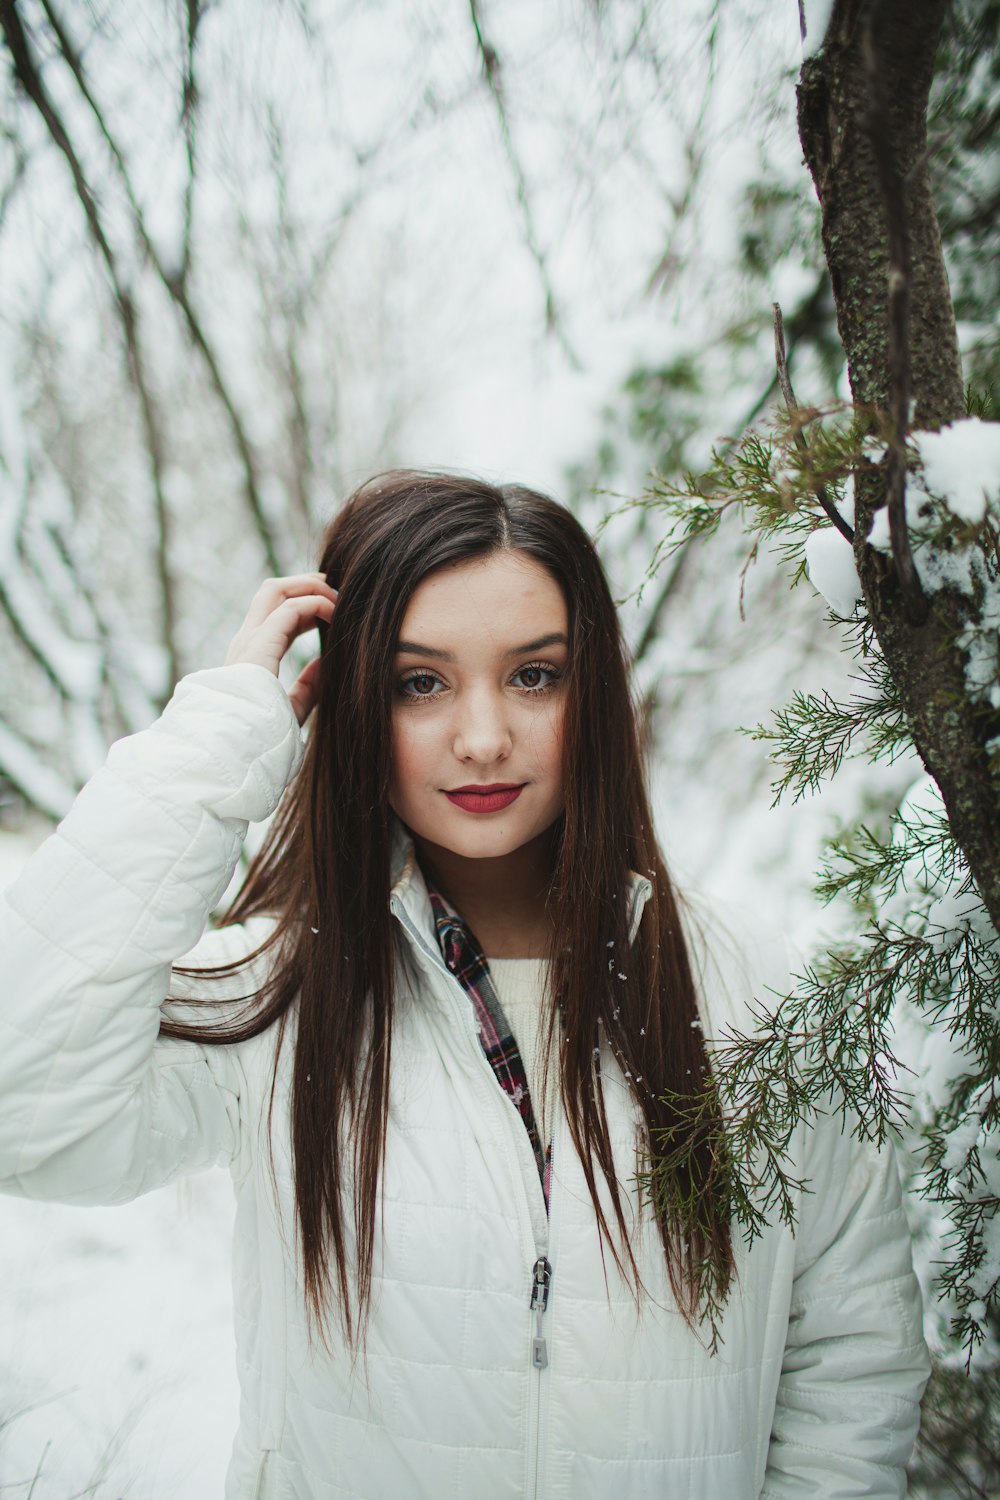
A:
<point x="485" y="799"/>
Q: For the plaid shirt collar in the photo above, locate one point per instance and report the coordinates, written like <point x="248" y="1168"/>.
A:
<point x="465" y="959"/>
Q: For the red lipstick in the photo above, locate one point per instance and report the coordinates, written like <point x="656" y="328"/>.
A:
<point x="485" y="799"/>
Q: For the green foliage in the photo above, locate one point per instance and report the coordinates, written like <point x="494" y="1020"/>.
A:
<point x="811" y="738"/>
<point x="925" y="955"/>
<point x="979" y="403"/>
<point x="861" y="864"/>
<point x="773" y="479"/>
<point x="773" y="224"/>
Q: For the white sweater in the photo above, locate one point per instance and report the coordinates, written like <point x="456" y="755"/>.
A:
<point x="815" y="1389"/>
<point x="520" y="984"/>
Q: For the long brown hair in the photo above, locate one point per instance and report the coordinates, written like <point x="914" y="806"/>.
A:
<point x="324" y="874"/>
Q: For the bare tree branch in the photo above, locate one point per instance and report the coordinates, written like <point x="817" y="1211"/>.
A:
<point x="30" y="79"/>
<point x="915" y="602"/>
<point x="29" y="607"/>
<point x="490" y="60"/>
<point x="80" y="639"/>
<point x="802" y="20"/>
<point x="654" y="620"/>
<point x="176" y="285"/>
<point x="680" y="204"/>
<point x="804" y="318"/>
<point x="57" y="565"/>
<point x="289" y="313"/>
<point x="14" y="181"/>
<point x="189" y="116"/>
<point x="24" y="767"/>
<point x="785" y="384"/>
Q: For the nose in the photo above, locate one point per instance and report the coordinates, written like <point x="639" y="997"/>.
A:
<point x="481" y="728"/>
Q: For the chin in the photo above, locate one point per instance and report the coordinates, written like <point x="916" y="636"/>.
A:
<point x="482" y="846"/>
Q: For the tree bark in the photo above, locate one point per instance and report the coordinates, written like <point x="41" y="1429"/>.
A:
<point x="834" y="100"/>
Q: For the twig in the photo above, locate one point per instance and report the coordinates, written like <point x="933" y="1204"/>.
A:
<point x="750" y="558"/>
<point x="189" y="111"/>
<point x="38" y="1471"/>
<point x="879" y="127"/>
<point x="490" y="59"/>
<point x="288" y="311"/>
<point x="175" y="283"/>
<point x="14" y="179"/>
<point x="950" y="1464"/>
<point x="695" y="157"/>
<point x="784" y="382"/>
<point x="803" y="319"/>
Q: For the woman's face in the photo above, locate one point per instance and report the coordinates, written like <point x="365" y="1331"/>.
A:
<point x="478" y="704"/>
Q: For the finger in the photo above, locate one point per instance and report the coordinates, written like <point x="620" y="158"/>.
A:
<point x="267" y="642"/>
<point x="274" y="591"/>
<point x="297" y="615"/>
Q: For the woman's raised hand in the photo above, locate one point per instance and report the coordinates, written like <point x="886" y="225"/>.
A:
<point x="282" y="609"/>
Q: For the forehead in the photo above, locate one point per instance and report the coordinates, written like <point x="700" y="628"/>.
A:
<point x="502" y="593"/>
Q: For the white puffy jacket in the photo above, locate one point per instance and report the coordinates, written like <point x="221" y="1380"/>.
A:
<point x="815" y="1390"/>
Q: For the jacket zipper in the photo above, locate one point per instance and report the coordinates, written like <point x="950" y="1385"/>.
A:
<point x="541" y="1290"/>
<point x="541" y="1280"/>
<point x="541" y="1271"/>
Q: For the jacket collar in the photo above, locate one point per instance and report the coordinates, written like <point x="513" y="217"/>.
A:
<point x="409" y="901"/>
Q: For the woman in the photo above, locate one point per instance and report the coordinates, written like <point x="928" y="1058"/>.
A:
<point x="465" y="856"/>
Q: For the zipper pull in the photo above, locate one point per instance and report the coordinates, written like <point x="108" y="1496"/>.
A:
<point x="541" y="1280"/>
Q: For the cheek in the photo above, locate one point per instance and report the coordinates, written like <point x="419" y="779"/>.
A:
<point x="546" y="736"/>
<point x="408" y="757"/>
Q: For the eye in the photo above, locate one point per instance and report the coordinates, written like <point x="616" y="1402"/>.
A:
<point x="419" y="685"/>
<point x="533" y="677"/>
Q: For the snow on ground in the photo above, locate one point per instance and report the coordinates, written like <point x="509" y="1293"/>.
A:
<point x="117" y="1322"/>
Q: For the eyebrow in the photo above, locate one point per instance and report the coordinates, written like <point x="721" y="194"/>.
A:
<point x="414" y="648"/>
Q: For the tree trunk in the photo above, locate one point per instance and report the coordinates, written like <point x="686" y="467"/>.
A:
<point x="834" y="97"/>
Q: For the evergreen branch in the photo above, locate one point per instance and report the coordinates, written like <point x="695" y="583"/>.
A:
<point x="773" y="479"/>
<point x="861" y="864"/>
<point x="815" y="733"/>
<point x="825" y="1049"/>
<point x="960" y="1155"/>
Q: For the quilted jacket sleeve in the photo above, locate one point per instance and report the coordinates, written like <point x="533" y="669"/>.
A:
<point x="95" y="1108"/>
<point x="855" y="1363"/>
